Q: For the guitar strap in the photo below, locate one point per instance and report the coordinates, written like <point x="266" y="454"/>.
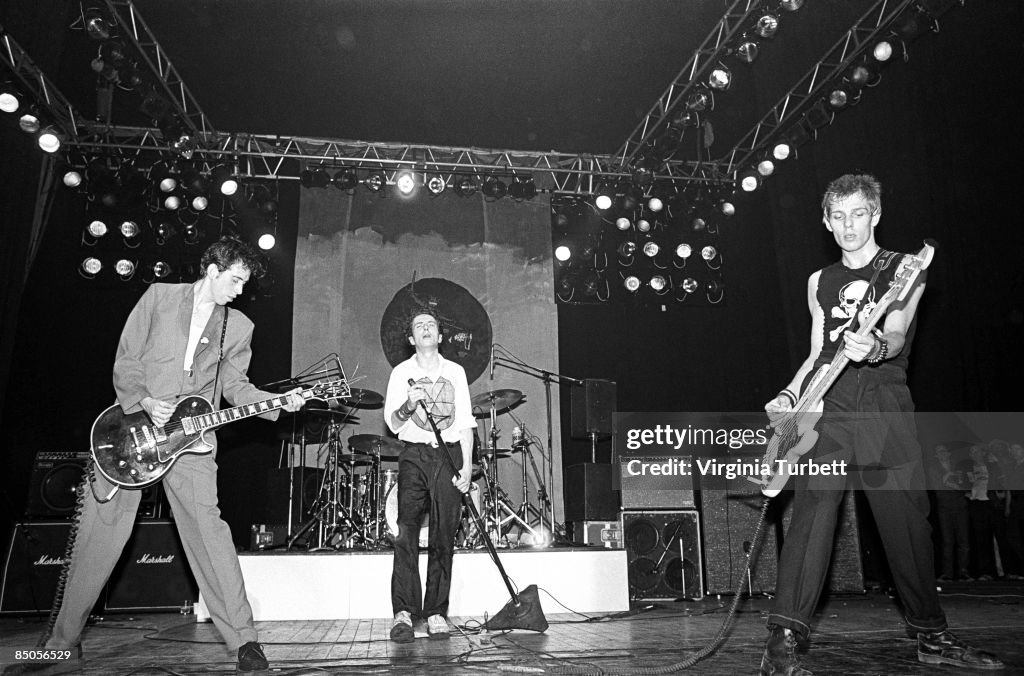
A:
<point x="220" y="357"/>
<point x="882" y="261"/>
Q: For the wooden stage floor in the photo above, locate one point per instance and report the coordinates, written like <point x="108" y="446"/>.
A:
<point x="856" y="635"/>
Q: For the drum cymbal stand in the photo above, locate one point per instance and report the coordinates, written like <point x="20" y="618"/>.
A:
<point x="527" y="511"/>
<point x="336" y="525"/>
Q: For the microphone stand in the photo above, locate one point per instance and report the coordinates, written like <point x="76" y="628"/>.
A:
<point x="510" y="361"/>
<point x="523" y="611"/>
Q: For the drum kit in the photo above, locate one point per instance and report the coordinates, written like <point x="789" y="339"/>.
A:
<point x="356" y="504"/>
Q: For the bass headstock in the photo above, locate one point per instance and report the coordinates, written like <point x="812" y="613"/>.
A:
<point x="911" y="265"/>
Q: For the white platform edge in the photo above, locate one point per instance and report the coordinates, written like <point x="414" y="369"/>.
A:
<point x="357" y="585"/>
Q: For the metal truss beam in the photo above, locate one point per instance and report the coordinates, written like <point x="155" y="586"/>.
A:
<point x="180" y="97"/>
<point x="41" y="88"/>
<point x="710" y="52"/>
<point x="811" y="87"/>
<point x="284" y="157"/>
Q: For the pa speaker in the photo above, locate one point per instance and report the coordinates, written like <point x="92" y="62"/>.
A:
<point x="588" y="493"/>
<point x="663" y="554"/>
<point x="592" y="408"/>
<point x="32" y="566"/>
<point x="152" y="574"/>
<point x="729" y="514"/>
<point x="54" y="482"/>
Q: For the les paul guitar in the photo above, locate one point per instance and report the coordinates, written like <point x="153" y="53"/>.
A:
<point x="132" y="452"/>
<point x="794" y="432"/>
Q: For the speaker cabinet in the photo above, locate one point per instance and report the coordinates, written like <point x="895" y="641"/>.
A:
<point x="588" y="493"/>
<point x="729" y="514"/>
<point x="846" y="570"/>
<point x="592" y="408"/>
<point x="663" y="554"/>
<point x="152" y="574"/>
<point x="643" y="489"/>
<point x="32" y="565"/>
<point x="53" y="484"/>
<point x="303" y="492"/>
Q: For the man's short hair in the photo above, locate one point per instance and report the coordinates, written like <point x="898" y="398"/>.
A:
<point x="227" y="251"/>
<point x="422" y="310"/>
<point x="851" y="184"/>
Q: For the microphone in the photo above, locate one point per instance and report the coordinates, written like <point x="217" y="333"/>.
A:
<point x="491" y="375"/>
<point x="412" y="383"/>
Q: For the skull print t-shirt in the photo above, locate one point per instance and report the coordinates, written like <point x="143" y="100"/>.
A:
<point x="846" y="299"/>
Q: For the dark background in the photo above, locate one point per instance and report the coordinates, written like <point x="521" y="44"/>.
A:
<point x="941" y="132"/>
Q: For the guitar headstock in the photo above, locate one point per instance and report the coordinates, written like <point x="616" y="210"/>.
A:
<point x="910" y="267"/>
<point x="333" y="388"/>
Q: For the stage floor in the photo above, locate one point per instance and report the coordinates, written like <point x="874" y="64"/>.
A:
<point x="856" y="635"/>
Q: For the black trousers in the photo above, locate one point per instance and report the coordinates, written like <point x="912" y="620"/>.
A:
<point x="897" y="499"/>
<point x="425" y="485"/>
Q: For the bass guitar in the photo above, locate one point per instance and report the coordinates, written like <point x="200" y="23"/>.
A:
<point x="132" y="452"/>
<point x="794" y="432"/>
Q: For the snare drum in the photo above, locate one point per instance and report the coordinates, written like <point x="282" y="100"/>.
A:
<point x="391" y="512"/>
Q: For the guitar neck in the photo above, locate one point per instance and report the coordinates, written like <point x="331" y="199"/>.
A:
<point x="224" y="416"/>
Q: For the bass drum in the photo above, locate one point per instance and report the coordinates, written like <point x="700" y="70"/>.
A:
<point x="391" y="513"/>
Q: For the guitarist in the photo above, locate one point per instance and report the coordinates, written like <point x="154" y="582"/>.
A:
<point x="875" y="381"/>
<point x="179" y="340"/>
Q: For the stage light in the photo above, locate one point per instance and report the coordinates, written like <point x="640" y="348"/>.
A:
<point x="97" y="24"/>
<point x="494" y="188"/>
<point x="643" y="225"/>
<point x="882" y="51"/>
<point x="562" y="253"/>
<point x="690" y="285"/>
<point x="163" y="231"/>
<point x="767" y="25"/>
<point x="172" y="202"/>
<point x="466" y="187"/>
<point x="747" y="50"/>
<point x="267" y="241"/>
<point x="651" y="249"/>
<point x="129" y="229"/>
<point x="72" y="178"/>
<point x="374" y="182"/>
<point x="125" y="269"/>
<point x="766" y="167"/>
<point x="200" y="202"/>
<point x="523" y="188"/>
<point x="684" y="251"/>
<point x="190" y="234"/>
<point x="622" y="223"/>
<point x="605" y="194"/>
<point x="700" y="99"/>
<point x="627" y="249"/>
<point x="709" y="253"/>
<point x="165" y="180"/>
<point x="405" y="183"/>
<point x="842" y="96"/>
<point x="10" y="98"/>
<point x="781" y="150"/>
<point x="727" y="208"/>
<point x="49" y="140"/>
<point x="314" y="178"/>
<point x="345" y="179"/>
<point x="862" y="75"/>
<point x="658" y="284"/>
<point x="29" y="122"/>
<point x="96" y="229"/>
<point x="643" y="170"/>
<point x="699" y="224"/>
<point x="630" y="197"/>
<point x="91" y="266"/>
<point x="655" y="204"/>
<point x="223" y="181"/>
<point x="750" y="180"/>
<point x="791" y="5"/>
<point x="161" y="269"/>
<point x="720" y="78"/>
<point x="631" y="283"/>
<point x="436" y="185"/>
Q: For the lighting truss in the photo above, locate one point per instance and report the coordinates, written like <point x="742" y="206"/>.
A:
<point x="180" y="97"/>
<point x="269" y="157"/>
<point x="42" y="89"/>
<point x="710" y="52"/>
<point x="810" y="88"/>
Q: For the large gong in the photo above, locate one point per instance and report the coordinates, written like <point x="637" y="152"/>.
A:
<point x="464" y="324"/>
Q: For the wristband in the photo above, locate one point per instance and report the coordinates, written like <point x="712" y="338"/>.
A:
<point x="883" y="352"/>
<point x="400" y="412"/>
<point x="788" y="394"/>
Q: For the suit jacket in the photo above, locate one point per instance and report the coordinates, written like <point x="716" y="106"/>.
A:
<point x="151" y="353"/>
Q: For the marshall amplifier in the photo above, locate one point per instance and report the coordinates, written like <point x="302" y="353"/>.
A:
<point x="32" y="565"/>
<point x="152" y="574"/>
<point x="53" y="484"/>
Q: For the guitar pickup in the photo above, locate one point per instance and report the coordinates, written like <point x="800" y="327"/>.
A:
<point x="188" y="425"/>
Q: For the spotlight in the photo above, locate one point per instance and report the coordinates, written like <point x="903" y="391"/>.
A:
<point x="655" y="204"/>
<point x="96" y="229"/>
<point x="882" y="51"/>
<point x="709" y="253"/>
<point x="405" y="183"/>
<point x="91" y="266"/>
<point x="631" y="283"/>
<point x="747" y="50"/>
<point x="172" y="202"/>
<point x="700" y="99"/>
<point x="720" y="78"/>
<point x="345" y="179"/>
<point x="562" y="253"/>
<point x="643" y="225"/>
<point x="651" y="249"/>
<point x="267" y="241"/>
<point x="72" y="178"/>
<point x="466" y="187"/>
<point x="29" y="122"/>
<point x="750" y="180"/>
<point x="605" y="194"/>
<point x="494" y="188"/>
<point x="684" y="251"/>
<point x="161" y="174"/>
<point x="97" y="25"/>
<point x="191" y="234"/>
<point x="162" y="232"/>
<point x="49" y="140"/>
<point x="627" y="249"/>
<point x="194" y="182"/>
<point x="129" y="229"/>
<point x="842" y="96"/>
<point x="125" y="269"/>
<point x="791" y="5"/>
<point x="523" y="188"/>
<point x="766" y="167"/>
<point x="223" y="181"/>
<point x="690" y="285"/>
<point x="161" y="269"/>
<point x="767" y="25"/>
<point x="658" y="283"/>
<point x="781" y="150"/>
<point x="10" y="98"/>
<point x="862" y="75"/>
<point x="200" y="202"/>
<point x="630" y="198"/>
<point x="622" y="223"/>
<point x="699" y="224"/>
<point x="374" y="182"/>
<point x="436" y="185"/>
<point x="643" y="170"/>
<point x="727" y="208"/>
<point x="314" y="178"/>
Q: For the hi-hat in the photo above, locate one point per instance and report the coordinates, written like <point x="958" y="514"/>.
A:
<point x="500" y="400"/>
<point x="372" y="444"/>
<point x="362" y="398"/>
<point x="332" y="414"/>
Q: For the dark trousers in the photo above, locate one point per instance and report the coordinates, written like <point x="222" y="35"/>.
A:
<point x="951" y="511"/>
<point x="896" y="496"/>
<point x="425" y="485"/>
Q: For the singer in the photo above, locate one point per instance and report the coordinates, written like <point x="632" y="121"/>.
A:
<point x="425" y="483"/>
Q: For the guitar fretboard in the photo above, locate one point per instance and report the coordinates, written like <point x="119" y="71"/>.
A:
<point x="208" y="420"/>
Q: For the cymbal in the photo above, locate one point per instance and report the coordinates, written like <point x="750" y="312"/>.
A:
<point x="352" y="459"/>
<point x="501" y="400"/>
<point x="362" y="398"/>
<point x="496" y="453"/>
<point x="373" y="444"/>
<point x="331" y="413"/>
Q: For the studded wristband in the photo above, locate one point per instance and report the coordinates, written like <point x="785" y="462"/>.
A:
<point x="883" y="352"/>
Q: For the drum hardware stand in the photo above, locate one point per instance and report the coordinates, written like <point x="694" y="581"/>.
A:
<point x="332" y="516"/>
<point x="510" y="361"/>
<point x="527" y="510"/>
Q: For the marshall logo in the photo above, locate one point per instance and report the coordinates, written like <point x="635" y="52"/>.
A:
<point x="149" y="558"/>
<point x="45" y="560"/>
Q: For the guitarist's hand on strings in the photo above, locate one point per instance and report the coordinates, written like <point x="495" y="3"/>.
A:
<point x="295" y="400"/>
<point x="159" y="411"/>
<point x="858" y="348"/>
<point x="777" y="407"/>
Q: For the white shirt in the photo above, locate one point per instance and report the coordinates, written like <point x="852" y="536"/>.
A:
<point x="447" y="400"/>
<point x="200" y="316"/>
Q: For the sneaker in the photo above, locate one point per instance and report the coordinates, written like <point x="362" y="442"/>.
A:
<point x="966" y="577"/>
<point x="437" y="627"/>
<point x="779" y="657"/>
<point x="985" y="578"/>
<point x="942" y="647"/>
<point x="401" y="629"/>
<point x="251" y="659"/>
<point x="1013" y="576"/>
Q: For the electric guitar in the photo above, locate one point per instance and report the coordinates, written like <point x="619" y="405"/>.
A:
<point x="794" y="433"/>
<point x="132" y="452"/>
